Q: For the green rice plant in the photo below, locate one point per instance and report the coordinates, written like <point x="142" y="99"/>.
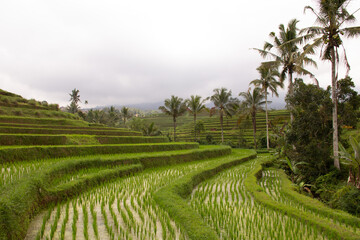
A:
<point x="85" y="221"/>
<point x="74" y="222"/>
<point x="237" y="216"/>
<point x="94" y="222"/>
<point x="133" y="198"/>
<point x="55" y="223"/>
<point x="45" y="220"/>
<point x="139" y="228"/>
<point x="65" y="220"/>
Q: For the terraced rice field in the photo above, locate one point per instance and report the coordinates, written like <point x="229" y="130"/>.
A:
<point x="121" y="185"/>
<point x="123" y="209"/>
<point x="230" y="209"/>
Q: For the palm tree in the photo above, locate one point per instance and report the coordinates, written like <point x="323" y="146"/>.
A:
<point x="151" y="130"/>
<point x="74" y="99"/>
<point x="331" y="17"/>
<point x="267" y="82"/>
<point x="74" y="96"/>
<point x="195" y="106"/>
<point x="113" y="116"/>
<point x="287" y="53"/>
<point x="251" y="104"/>
<point x="174" y="107"/>
<point x="223" y="102"/>
<point x="125" y="114"/>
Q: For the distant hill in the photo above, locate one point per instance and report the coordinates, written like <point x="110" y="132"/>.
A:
<point x="140" y="106"/>
<point x="12" y="104"/>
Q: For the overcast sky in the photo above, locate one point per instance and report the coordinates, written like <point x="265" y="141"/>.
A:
<point x="127" y="52"/>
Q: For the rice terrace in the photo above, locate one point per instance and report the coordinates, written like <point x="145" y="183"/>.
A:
<point x="275" y="157"/>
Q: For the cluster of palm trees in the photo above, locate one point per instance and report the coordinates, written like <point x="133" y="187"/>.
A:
<point x="331" y="17"/>
<point x="111" y="116"/>
<point x="224" y="104"/>
<point x="289" y="51"/>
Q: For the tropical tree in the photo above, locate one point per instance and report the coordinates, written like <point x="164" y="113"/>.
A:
<point x="223" y="103"/>
<point x="353" y="160"/>
<point x="331" y="17"/>
<point x="267" y="81"/>
<point x="125" y="114"/>
<point x="151" y="129"/>
<point x="252" y="103"/>
<point x="285" y="52"/>
<point x="308" y="137"/>
<point x="74" y="100"/>
<point x="113" y="116"/>
<point x="174" y="107"/>
<point x="195" y="105"/>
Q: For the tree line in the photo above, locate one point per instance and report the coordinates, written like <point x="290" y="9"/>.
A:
<point x="290" y="51"/>
<point x="308" y="146"/>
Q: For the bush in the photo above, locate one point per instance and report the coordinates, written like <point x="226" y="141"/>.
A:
<point x="210" y="139"/>
<point x="54" y="107"/>
<point x="32" y="102"/>
<point x="17" y="112"/>
<point x="348" y="199"/>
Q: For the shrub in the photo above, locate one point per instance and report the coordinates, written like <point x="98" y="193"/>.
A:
<point x="32" y="102"/>
<point x="347" y="198"/>
<point x="17" y="112"/>
<point x="54" y="107"/>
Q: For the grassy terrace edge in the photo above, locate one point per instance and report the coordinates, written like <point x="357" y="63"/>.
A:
<point x="12" y="154"/>
<point x="31" y="120"/>
<point x="172" y="198"/>
<point x="333" y="230"/>
<point x="74" y="139"/>
<point x="16" y="210"/>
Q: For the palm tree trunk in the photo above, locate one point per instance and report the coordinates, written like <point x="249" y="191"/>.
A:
<point x="174" y="129"/>
<point x="335" y="117"/>
<point x="291" y="91"/>
<point x="195" y="127"/>
<point x="221" y="124"/>
<point x="254" y="128"/>
<point x="267" y="122"/>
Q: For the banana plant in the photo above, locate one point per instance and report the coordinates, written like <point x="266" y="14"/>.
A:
<point x="352" y="160"/>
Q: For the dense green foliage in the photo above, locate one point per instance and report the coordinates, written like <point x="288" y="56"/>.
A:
<point x="309" y="136"/>
<point x="348" y="103"/>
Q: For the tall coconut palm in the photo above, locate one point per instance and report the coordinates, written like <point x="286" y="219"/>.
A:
<point x="74" y="100"/>
<point x="267" y="81"/>
<point x="331" y="17"/>
<point x="174" y="107"/>
<point x="195" y="106"/>
<point x="125" y="114"/>
<point x="252" y="103"/>
<point x="285" y="52"/>
<point x="223" y="102"/>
